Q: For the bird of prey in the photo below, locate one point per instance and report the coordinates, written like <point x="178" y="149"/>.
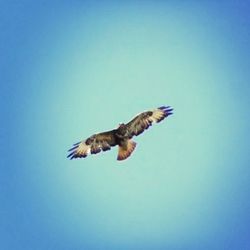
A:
<point x="120" y="136"/>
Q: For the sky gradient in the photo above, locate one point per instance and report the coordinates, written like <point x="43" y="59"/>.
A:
<point x="70" y="69"/>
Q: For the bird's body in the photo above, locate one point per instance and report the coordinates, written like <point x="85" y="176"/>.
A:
<point x="120" y="136"/>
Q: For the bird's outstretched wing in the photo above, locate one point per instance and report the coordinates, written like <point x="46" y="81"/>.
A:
<point x="93" y="145"/>
<point x="142" y="121"/>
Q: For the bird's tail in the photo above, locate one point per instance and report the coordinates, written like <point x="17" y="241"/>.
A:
<point x="125" y="150"/>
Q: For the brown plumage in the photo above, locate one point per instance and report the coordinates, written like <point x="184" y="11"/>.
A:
<point x="120" y="136"/>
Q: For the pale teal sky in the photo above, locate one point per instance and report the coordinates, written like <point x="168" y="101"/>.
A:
<point x="74" y="69"/>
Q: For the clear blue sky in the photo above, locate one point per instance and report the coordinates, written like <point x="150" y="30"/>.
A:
<point x="73" y="68"/>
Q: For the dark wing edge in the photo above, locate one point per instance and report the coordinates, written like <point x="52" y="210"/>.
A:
<point x="93" y="145"/>
<point x="144" y="120"/>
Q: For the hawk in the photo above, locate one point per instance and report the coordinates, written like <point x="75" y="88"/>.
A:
<point x="120" y="136"/>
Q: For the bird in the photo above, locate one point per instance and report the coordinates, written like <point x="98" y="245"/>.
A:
<point x="121" y="136"/>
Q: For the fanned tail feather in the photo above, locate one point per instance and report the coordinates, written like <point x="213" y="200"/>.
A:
<point x="126" y="150"/>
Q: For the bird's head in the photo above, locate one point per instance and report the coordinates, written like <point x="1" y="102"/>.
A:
<point x="122" y="130"/>
<point x="121" y="125"/>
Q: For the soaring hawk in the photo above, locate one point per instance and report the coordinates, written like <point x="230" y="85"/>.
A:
<point x="120" y="136"/>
